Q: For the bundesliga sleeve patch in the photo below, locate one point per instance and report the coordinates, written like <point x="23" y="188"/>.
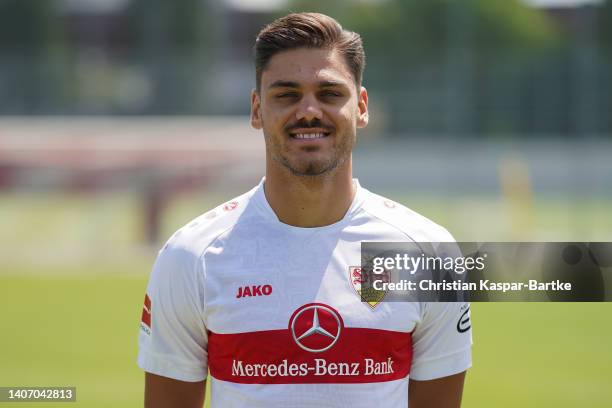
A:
<point x="145" y="319"/>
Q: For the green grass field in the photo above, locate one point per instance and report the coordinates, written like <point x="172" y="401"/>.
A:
<point x="82" y="331"/>
<point x="73" y="275"/>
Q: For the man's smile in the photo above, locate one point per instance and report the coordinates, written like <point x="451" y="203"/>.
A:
<point x="309" y="134"/>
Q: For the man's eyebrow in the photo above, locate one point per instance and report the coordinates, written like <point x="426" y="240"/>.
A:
<point x="329" y="84"/>
<point x="284" y="84"/>
<point x="292" y="84"/>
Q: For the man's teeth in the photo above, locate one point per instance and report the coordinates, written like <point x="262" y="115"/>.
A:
<point x="308" y="135"/>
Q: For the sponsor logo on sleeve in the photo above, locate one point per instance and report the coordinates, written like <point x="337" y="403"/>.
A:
<point x="464" y="324"/>
<point x="145" y="319"/>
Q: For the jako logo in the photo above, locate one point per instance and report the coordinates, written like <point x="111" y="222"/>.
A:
<point x="254" y="290"/>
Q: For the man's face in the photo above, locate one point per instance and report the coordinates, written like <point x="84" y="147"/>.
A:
<point x="309" y="109"/>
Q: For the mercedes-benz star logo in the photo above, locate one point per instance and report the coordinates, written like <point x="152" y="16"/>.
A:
<point x="315" y="327"/>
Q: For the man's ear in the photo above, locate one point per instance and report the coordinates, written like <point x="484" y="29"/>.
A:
<point x="362" y="106"/>
<point x="255" y="110"/>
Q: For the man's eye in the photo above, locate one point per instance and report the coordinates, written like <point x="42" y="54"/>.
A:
<point x="331" y="94"/>
<point x="287" y="95"/>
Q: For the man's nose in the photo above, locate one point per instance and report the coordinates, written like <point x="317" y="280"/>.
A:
<point x="309" y="109"/>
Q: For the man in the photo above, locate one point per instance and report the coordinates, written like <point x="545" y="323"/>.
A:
<point x="261" y="290"/>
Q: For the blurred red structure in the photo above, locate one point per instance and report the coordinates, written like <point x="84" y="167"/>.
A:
<point x="157" y="157"/>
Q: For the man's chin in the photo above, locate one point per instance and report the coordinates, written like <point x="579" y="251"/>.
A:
<point x="311" y="169"/>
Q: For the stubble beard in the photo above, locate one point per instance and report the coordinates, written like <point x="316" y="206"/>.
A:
<point x="312" y="168"/>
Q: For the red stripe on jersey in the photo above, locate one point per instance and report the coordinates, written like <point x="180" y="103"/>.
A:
<point x="272" y="357"/>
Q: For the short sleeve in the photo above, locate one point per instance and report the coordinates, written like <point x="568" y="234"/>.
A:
<point x="442" y="341"/>
<point x="173" y="339"/>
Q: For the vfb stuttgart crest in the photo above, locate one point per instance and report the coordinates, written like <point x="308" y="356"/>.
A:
<point x="363" y="285"/>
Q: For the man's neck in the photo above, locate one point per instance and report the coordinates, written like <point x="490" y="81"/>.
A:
<point x="305" y="201"/>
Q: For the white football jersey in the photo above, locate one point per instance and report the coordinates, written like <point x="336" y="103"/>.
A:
<point x="273" y="311"/>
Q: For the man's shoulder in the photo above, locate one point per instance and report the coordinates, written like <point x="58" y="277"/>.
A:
<point x="408" y="221"/>
<point x="199" y="233"/>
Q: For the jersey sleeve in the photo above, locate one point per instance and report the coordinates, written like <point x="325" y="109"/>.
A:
<point x="442" y="341"/>
<point x="173" y="339"/>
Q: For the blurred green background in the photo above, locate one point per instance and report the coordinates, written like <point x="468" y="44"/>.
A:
<point x="80" y="331"/>
<point x="122" y="120"/>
